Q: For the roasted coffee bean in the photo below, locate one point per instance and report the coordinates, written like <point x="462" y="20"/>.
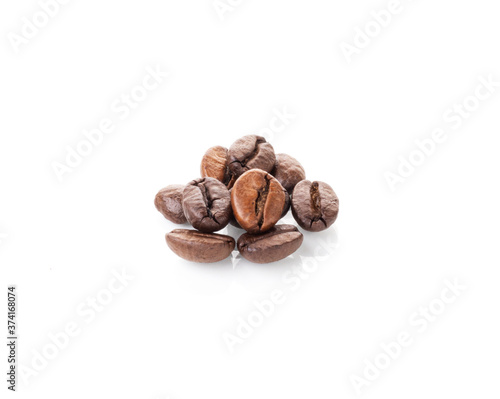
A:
<point x="258" y="200"/>
<point x="315" y="205"/>
<point x="286" y="208"/>
<point x="207" y="204"/>
<point x="278" y="243"/>
<point x="169" y="202"/>
<point x="200" y="247"/>
<point x="288" y="171"/>
<point x="214" y="163"/>
<point x="250" y="152"/>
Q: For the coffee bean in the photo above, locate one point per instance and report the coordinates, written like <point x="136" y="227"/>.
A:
<point x="258" y="200"/>
<point x="315" y="205"/>
<point x="288" y="171"/>
<point x="286" y="208"/>
<point x="168" y="201"/>
<point x="214" y="163"/>
<point x="250" y="152"/>
<point x="207" y="204"/>
<point x="278" y="243"/>
<point x="200" y="247"/>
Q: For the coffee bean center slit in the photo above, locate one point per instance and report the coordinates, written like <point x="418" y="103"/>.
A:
<point x="207" y="199"/>
<point x="316" y="204"/>
<point x="260" y="202"/>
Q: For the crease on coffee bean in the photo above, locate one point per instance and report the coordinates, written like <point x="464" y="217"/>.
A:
<point x="260" y="201"/>
<point x="316" y="204"/>
<point x="228" y="178"/>
<point x="207" y="199"/>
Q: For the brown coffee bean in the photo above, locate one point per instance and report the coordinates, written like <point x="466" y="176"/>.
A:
<point x="278" y="243"/>
<point x="168" y="201"/>
<point x="215" y="164"/>
<point x="258" y="200"/>
<point x="250" y="152"/>
<point x="200" y="247"/>
<point x="288" y="171"/>
<point x="286" y="208"/>
<point x="207" y="204"/>
<point x="315" y="205"/>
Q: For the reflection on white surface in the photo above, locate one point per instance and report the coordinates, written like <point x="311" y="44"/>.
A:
<point x="215" y="278"/>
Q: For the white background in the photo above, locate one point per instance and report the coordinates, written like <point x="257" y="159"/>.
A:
<point x="163" y="335"/>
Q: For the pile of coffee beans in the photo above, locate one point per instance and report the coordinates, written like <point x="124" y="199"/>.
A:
<point x="251" y="187"/>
